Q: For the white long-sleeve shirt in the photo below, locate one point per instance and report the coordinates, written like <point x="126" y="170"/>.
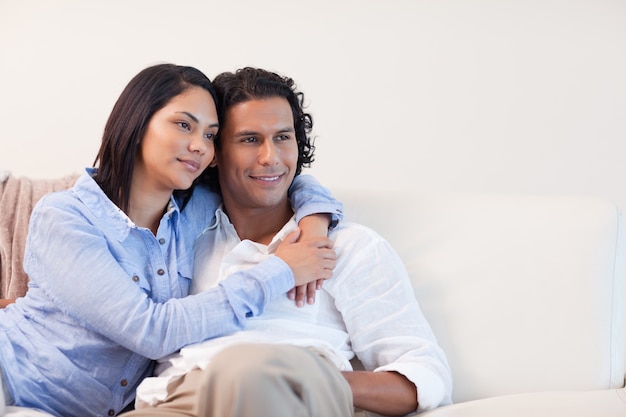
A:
<point x="367" y="308"/>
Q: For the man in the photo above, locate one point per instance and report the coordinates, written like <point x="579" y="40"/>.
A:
<point x="294" y="361"/>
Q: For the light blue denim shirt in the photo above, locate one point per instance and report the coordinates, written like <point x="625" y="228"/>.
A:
<point x="106" y="297"/>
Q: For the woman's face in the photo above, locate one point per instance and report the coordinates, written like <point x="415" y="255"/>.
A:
<point x="178" y="144"/>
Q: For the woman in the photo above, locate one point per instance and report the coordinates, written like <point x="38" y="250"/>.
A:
<point x="109" y="260"/>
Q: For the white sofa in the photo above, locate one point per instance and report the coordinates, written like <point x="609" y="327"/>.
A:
<point x="525" y="293"/>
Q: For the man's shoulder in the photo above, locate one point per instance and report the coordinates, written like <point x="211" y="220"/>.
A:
<point x="354" y="229"/>
<point x="350" y="234"/>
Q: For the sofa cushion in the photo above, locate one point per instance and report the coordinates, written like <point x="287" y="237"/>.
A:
<point x="604" y="403"/>
<point x="24" y="412"/>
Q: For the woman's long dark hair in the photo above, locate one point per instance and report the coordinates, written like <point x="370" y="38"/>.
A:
<point x="145" y="94"/>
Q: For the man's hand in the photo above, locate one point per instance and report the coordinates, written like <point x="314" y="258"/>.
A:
<point x="386" y="393"/>
<point x="310" y="260"/>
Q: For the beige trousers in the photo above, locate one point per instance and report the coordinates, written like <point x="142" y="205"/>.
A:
<point x="258" y="380"/>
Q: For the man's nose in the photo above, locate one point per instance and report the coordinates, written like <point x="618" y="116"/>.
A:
<point x="268" y="153"/>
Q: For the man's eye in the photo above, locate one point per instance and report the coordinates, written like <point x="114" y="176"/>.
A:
<point x="249" y="140"/>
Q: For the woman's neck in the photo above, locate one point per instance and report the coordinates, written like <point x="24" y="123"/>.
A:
<point x="146" y="208"/>
<point x="148" y="217"/>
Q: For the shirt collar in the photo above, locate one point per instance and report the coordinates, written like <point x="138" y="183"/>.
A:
<point x="222" y="221"/>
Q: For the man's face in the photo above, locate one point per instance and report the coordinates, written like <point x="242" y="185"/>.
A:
<point x="259" y="154"/>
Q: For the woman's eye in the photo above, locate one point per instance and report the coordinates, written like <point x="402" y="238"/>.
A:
<point x="284" y="137"/>
<point x="184" y="125"/>
<point x="210" y="136"/>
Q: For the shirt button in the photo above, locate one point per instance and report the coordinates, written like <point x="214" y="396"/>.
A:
<point x="135" y="278"/>
<point x="124" y="382"/>
<point x="160" y="272"/>
<point x="162" y="241"/>
<point x="111" y="412"/>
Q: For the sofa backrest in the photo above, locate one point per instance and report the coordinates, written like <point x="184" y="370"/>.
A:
<point x="525" y="293"/>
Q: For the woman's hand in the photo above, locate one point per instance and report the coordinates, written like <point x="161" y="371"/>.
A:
<point x="311" y="260"/>
<point x="311" y="226"/>
<point x="305" y="292"/>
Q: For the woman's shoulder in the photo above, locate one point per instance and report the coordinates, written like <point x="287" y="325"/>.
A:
<point x="203" y="199"/>
<point x="85" y="200"/>
<point x="73" y="193"/>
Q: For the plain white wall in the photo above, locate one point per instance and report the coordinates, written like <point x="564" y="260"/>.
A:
<point x="498" y="96"/>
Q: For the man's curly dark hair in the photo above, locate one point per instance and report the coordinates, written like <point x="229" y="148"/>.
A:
<point x="249" y="83"/>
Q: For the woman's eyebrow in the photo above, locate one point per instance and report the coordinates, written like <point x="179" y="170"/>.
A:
<point x="191" y="116"/>
<point x="195" y="119"/>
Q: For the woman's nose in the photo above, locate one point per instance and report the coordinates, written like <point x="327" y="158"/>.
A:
<point x="199" y="144"/>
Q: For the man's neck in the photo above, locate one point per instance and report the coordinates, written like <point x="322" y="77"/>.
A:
<point x="259" y="224"/>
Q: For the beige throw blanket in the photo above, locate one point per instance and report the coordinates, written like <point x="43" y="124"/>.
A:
<point x="17" y="198"/>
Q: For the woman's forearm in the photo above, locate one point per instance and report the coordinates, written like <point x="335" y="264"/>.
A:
<point x="314" y="225"/>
